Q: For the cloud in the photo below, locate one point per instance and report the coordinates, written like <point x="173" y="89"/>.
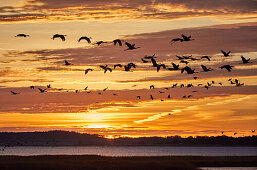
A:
<point x="188" y="108"/>
<point x="64" y="10"/>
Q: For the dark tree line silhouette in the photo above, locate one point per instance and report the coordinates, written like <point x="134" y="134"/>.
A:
<point x="66" y="138"/>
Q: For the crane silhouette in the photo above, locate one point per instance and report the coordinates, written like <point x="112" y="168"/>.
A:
<point x="205" y="69"/>
<point x="62" y="37"/>
<point x="175" y="67"/>
<point x="130" y="46"/>
<point x="106" y="68"/>
<point x="85" y="38"/>
<point x="228" y="67"/>
<point x="100" y="42"/>
<point x="117" y="41"/>
<point x="87" y="70"/>
<point x="117" y="65"/>
<point x="207" y="57"/>
<point x="14" y="93"/>
<point x="67" y="63"/>
<point x="158" y="66"/>
<point x="129" y="66"/>
<point x="186" y="38"/>
<point x="226" y="54"/>
<point x="152" y="87"/>
<point x="42" y="90"/>
<point x="22" y="35"/>
<point x="244" y="60"/>
<point x="188" y="70"/>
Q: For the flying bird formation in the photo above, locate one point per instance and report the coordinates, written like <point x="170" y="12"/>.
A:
<point x="185" y="60"/>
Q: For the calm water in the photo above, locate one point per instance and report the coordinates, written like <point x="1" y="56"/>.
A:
<point x="131" y="151"/>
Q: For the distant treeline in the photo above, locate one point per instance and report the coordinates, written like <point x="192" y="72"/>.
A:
<point x="66" y="138"/>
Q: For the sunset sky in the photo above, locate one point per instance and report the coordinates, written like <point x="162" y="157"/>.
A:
<point x="37" y="60"/>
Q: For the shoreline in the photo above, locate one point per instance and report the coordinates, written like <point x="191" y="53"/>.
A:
<point x="131" y="162"/>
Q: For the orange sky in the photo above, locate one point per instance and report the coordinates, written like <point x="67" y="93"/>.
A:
<point x="38" y="60"/>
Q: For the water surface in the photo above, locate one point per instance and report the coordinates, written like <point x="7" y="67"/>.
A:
<point x="130" y="151"/>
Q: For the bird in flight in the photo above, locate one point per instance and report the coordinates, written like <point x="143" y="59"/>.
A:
<point x="48" y="86"/>
<point x="105" y="89"/>
<point x="100" y="42"/>
<point x="32" y="87"/>
<point x="117" y="65"/>
<point x="152" y="87"/>
<point x="207" y="87"/>
<point x="158" y="66"/>
<point x="188" y="70"/>
<point x="22" y="35"/>
<point x="42" y="90"/>
<point x="106" y="68"/>
<point x="130" y="46"/>
<point x="186" y="38"/>
<point x="117" y="41"/>
<point x="67" y="63"/>
<point x="144" y="61"/>
<point x="244" y="60"/>
<point x="226" y="54"/>
<point x="151" y="97"/>
<point x="14" y="93"/>
<point x="149" y="57"/>
<point x="175" y="67"/>
<point x="59" y="36"/>
<point x="87" y="70"/>
<point x="174" y="85"/>
<point x="176" y="40"/>
<point x="129" y="65"/>
<point x="207" y="57"/>
<point x="228" y="67"/>
<point x="139" y="97"/>
<point x="205" y="69"/>
<point x="85" y="38"/>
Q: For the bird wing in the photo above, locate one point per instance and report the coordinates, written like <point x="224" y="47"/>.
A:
<point x="243" y="59"/>
<point x="204" y="67"/>
<point x="62" y="37"/>
<point x="81" y="38"/>
<point x="109" y="69"/>
<point x="117" y="41"/>
<point x="103" y="67"/>
<point x="88" y="40"/>
<point x="154" y="62"/>
<point x="223" y="52"/>
<point x="129" y="45"/>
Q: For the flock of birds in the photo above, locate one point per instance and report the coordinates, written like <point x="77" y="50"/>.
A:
<point x="152" y="60"/>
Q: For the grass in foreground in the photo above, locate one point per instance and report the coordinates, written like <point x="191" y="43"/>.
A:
<point x="93" y="162"/>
